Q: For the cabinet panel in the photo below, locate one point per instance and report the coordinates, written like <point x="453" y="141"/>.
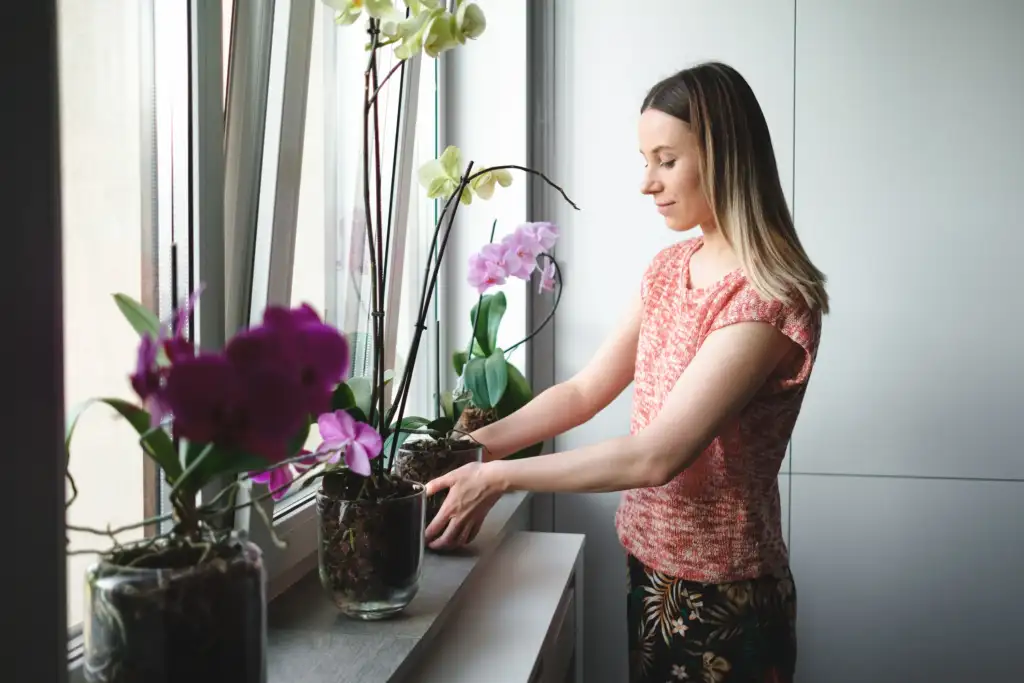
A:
<point x="909" y="175"/>
<point x="908" y="580"/>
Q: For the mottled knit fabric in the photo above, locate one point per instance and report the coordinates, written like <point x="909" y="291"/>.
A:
<point x="720" y="519"/>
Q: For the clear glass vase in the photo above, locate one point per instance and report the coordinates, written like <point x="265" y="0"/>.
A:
<point x="370" y="548"/>
<point x="177" y="611"/>
<point x="424" y="460"/>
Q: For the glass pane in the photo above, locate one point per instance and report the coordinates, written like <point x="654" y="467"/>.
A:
<point x="422" y="219"/>
<point x="308" y="281"/>
<point x="331" y="269"/>
<point x="100" y="128"/>
<point x="310" y="267"/>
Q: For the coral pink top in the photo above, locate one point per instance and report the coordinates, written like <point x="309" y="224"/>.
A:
<point x="720" y="519"/>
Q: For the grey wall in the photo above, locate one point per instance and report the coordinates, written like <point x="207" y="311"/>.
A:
<point x="896" y="126"/>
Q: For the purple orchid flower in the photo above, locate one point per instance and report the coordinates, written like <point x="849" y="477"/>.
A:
<point x="147" y="381"/>
<point x="340" y="431"/>
<point x="278" y="479"/>
<point x="295" y="343"/>
<point x="254" y="408"/>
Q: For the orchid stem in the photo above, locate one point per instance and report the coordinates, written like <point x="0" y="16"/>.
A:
<point x="190" y="469"/>
<point x="524" y="169"/>
<point x="551" y="313"/>
<point x="425" y="297"/>
<point x="121" y="529"/>
<point x="380" y="86"/>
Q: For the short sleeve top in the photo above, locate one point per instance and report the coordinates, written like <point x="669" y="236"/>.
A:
<point x="720" y="519"/>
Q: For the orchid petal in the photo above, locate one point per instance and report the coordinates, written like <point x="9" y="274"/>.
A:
<point x="470" y="22"/>
<point x="368" y="439"/>
<point x="379" y="9"/>
<point x="356" y="460"/>
<point x="450" y="162"/>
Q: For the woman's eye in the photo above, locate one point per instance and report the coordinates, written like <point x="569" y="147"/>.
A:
<point x="669" y="163"/>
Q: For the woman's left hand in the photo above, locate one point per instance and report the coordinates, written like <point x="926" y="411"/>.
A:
<point x="472" y="492"/>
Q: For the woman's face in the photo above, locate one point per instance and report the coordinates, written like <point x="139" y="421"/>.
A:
<point x="671" y="175"/>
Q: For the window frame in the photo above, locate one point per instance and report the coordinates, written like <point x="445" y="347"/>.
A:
<point x="236" y="188"/>
<point x="294" y="522"/>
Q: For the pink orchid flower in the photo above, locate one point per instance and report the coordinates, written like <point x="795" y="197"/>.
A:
<point x="484" y="274"/>
<point x="341" y="432"/>
<point x="278" y="479"/>
<point x="547" y="278"/>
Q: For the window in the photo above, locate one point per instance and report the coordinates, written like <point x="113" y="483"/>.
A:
<point x="134" y="174"/>
<point x="330" y="268"/>
<point x="105" y="251"/>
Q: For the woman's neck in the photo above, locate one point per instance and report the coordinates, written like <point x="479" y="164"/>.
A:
<point x="715" y="244"/>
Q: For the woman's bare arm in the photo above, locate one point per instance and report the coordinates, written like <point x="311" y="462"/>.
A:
<point x="573" y="402"/>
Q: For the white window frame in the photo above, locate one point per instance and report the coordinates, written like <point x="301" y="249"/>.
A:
<point x="237" y="230"/>
<point x="275" y="229"/>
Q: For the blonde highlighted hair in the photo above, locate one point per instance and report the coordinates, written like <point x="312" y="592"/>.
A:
<point x="740" y="179"/>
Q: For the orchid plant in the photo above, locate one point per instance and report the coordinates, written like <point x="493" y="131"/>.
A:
<point x="242" y="413"/>
<point x="487" y="381"/>
<point x="420" y="27"/>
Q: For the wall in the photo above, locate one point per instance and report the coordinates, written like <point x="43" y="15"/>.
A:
<point x="895" y="127"/>
<point x="484" y="114"/>
<point x="907" y="501"/>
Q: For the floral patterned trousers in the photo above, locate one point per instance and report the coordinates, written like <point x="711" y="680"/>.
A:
<point x="739" y="632"/>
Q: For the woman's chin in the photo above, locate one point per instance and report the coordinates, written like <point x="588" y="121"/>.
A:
<point x="675" y="225"/>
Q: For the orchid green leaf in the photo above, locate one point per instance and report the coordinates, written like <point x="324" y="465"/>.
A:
<point x="476" y="381"/>
<point x="205" y="461"/>
<point x="407" y="423"/>
<point x="492" y="310"/>
<point x="155" y="442"/>
<point x="362" y="391"/>
<point x="495" y="368"/>
<point x="448" y="405"/>
<point x="442" y="425"/>
<point x="342" y="398"/>
<point x="459" y="362"/>
<point x="142" y="320"/>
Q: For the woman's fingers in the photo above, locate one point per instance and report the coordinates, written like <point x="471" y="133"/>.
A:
<point x="451" y="534"/>
<point x="445" y="481"/>
<point x="439" y="523"/>
<point x="470" y="532"/>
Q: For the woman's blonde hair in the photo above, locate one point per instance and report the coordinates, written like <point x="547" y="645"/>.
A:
<point x="741" y="179"/>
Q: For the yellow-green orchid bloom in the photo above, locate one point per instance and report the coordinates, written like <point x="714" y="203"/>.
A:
<point x="469" y="22"/>
<point x="417" y="6"/>
<point x="483" y="184"/>
<point x="439" y="34"/>
<point x="349" y="10"/>
<point x="441" y="176"/>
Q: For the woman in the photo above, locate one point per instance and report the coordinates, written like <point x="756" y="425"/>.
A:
<point x="720" y="343"/>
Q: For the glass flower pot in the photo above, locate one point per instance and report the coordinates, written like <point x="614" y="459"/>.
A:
<point x="423" y="460"/>
<point x="370" y="549"/>
<point x="177" y="611"/>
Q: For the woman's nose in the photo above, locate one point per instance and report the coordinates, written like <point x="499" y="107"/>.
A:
<point x="648" y="186"/>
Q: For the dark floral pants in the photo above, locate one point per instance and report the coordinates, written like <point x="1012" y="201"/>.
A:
<point x="740" y="632"/>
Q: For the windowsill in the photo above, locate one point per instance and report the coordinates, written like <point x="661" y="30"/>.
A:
<point x="311" y="642"/>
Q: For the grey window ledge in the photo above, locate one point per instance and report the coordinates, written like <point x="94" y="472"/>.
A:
<point x="311" y="642"/>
